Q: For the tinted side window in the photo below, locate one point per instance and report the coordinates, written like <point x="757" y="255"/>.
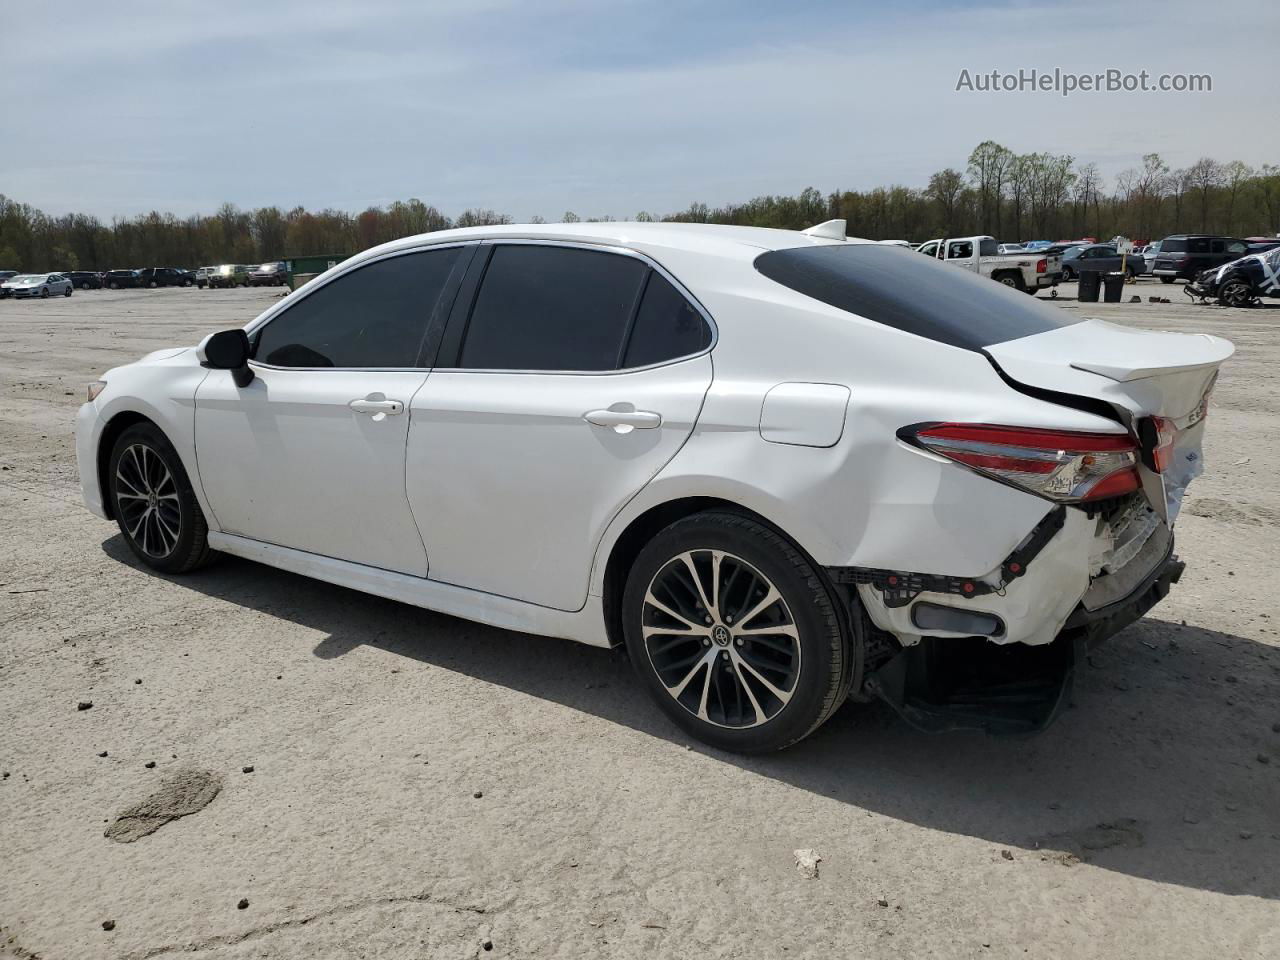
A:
<point x="1198" y="244"/>
<point x="551" y="308"/>
<point x="666" y="327"/>
<point x="988" y="248"/>
<point x="923" y="297"/>
<point x="1173" y="246"/>
<point x="960" y="250"/>
<point x="1217" y="246"/>
<point x="374" y="316"/>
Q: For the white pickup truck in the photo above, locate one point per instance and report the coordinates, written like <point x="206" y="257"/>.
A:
<point x="1029" y="271"/>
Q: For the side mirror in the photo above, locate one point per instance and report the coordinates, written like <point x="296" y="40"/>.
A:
<point x="227" y="350"/>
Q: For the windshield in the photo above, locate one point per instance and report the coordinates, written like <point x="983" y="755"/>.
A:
<point x="914" y="294"/>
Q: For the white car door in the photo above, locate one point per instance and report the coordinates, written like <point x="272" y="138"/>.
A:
<point x="574" y="377"/>
<point x="311" y="454"/>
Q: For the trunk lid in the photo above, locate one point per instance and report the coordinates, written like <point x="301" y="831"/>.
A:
<point x="1139" y="374"/>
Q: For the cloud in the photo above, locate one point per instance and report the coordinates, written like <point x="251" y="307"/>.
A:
<point x="534" y="108"/>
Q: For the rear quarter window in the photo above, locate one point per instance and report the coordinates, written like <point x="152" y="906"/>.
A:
<point x="914" y="294"/>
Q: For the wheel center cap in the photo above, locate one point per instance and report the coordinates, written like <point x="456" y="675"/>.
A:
<point x="720" y="634"/>
<point x="152" y="500"/>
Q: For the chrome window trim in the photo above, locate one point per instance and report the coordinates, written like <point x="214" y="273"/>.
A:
<point x="288" y="302"/>
<point x="600" y="248"/>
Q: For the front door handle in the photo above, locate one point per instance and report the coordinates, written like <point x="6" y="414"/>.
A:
<point x="377" y="407"/>
<point x="624" y="421"/>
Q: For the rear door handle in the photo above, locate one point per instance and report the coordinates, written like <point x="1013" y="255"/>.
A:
<point x="624" y="421"/>
<point x="378" y="409"/>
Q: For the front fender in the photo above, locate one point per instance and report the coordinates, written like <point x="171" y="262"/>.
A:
<point x="162" y="392"/>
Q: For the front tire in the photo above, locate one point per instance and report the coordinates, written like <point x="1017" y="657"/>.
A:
<point x="1167" y="279"/>
<point x="1235" y="293"/>
<point x="154" y="505"/>
<point x="734" y="633"/>
<point x="1068" y="273"/>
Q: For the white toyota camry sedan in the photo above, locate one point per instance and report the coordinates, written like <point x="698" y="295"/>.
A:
<point x="783" y="469"/>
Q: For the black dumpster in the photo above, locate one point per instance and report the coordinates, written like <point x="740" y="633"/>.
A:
<point x="1089" y="286"/>
<point x="1113" y="287"/>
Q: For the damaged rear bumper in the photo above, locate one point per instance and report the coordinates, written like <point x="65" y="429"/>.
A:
<point x="942" y="683"/>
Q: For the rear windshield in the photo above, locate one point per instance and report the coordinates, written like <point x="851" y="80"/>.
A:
<point x="1174" y="246"/>
<point x="906" y="291"/>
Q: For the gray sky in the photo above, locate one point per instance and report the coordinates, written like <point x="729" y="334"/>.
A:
<point x="597" y="106"/>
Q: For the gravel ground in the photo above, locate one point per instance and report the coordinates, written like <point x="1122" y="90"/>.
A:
<point x="420" y="786"/>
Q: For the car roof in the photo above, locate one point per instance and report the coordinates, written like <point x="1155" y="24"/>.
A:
<point x="744" y="243"/>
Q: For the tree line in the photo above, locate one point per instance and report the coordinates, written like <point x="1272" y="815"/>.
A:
<point x="1008" y="195"/>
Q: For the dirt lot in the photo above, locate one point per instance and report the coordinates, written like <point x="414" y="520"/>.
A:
<point x="425" y="787"/>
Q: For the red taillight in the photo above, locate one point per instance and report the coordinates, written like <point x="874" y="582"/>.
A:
<point x="1062" y="465"/>
<point x="1042" y="266"/>
<point x="1166" y="436"/>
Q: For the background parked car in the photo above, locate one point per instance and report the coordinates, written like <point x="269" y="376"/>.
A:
<point x="1149" y="254"/>
<point x="123" y="279"/>
<point x="202" y="276"/>
<point x="43" y="285"/>
<point x="1099" y="258"/>
<point x="1185" y="256"/>
<point x="1026" y="271"/>
<point x="1240" y="282"/>
<point x="7" y="275"/>
<point x="229" y="275"/>
<point x="274" y="274"/>
<point x="84" y="279"/>
<point x="166" y="277"/>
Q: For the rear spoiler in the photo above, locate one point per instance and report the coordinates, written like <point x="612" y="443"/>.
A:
<point x="1202" y="352"/>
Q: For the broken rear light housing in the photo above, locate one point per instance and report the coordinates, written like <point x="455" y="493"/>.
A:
<point x="1065" y="466"/>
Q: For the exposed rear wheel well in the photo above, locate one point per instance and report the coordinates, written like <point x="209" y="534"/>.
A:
<point x="115" y="426"/>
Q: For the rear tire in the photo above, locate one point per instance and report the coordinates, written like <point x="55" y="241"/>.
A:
<point x="757" y="685"/>
<point x="153" y="502"/>
<point x="1068" y="273"/>
<point x="67" y="292"/>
